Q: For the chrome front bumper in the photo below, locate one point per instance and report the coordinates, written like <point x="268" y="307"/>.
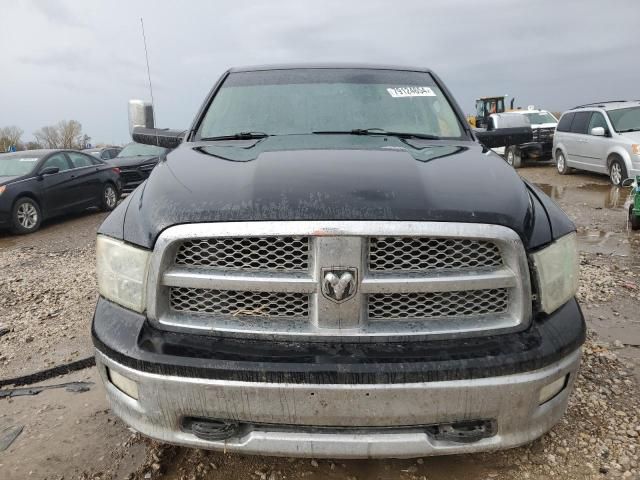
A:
<point x="510" y="400"/>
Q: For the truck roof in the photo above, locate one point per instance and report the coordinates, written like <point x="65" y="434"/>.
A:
<point x="294" y="66"/>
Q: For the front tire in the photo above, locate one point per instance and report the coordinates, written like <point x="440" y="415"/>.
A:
<point x="26" y="216"/>
<point x="561" y="163"/>
<point x="513" y="156"/>
<point x="617" y="172"/>
<point x="109" y="197"/>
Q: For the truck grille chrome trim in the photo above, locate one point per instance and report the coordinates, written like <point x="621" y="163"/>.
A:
<point x="413" y="280"/>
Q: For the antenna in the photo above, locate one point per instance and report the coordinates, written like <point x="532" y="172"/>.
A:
<point x="146" y="54"/>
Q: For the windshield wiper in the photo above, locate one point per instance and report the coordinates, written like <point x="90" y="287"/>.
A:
<point x="629" y="130"/>
<point x="377" y="131"/>
<point x="238" y="136"/>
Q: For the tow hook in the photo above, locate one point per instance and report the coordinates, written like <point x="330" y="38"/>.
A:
<point x="463" y="432"/>
<point x="212" y="430"/>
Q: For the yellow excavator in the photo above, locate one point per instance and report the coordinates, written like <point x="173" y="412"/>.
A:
<point x="485" y="106"/>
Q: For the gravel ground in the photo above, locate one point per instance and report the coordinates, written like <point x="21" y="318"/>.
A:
<point x="47" y="295"/>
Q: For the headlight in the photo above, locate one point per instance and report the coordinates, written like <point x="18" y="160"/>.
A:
<point x="122" y="272"/>
<point x="557" y="269"/>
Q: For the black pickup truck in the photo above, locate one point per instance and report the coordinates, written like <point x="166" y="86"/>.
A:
<point x="329" y="264"/>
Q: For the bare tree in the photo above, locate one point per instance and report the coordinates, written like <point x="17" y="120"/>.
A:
<point x="10" y="136"/>
<point x="48" y="137"/>
<point x="70" y="134"/>
<point x="65" y="134"/>
<point x="32" y="146"/>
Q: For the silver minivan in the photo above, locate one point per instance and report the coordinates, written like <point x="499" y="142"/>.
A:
<point x="600" y="137"/>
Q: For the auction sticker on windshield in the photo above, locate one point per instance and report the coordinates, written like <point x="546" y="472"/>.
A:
<point x="411" y="92"/>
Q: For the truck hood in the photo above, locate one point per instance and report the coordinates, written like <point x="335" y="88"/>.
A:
<point x="369" y="178"/>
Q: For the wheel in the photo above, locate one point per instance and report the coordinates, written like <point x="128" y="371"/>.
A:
<point x="109" y="197"/>
<point x="513" y="157"/>
<point x="26" y="216"/>
<point x="617" y="171"/>
<point x="561" y="163"/>
<point x="634" y="220"/>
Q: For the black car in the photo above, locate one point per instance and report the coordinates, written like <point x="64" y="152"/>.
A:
<point x="329" y="264"/>
<point x="103" y="153"/>
<point x="39" y="184"/>
<point x="135" y="162"/>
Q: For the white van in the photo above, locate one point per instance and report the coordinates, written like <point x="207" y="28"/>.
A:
<point x="600" y="137"/>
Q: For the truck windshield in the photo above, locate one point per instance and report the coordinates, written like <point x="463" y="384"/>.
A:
<point x="625" y="119"/>
<point x="539" y="118"/>
<point x="302" y="101"/>
<point x="14" y="165"/>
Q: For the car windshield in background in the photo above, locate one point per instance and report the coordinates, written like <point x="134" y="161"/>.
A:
<point x="15" y="165"/>
<point x="625" y="119"/>
<point x="139" y="149"/>
<point x="302" y="101"/>
<point x="538" y="118"/>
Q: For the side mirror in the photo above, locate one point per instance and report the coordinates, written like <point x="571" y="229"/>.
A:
<point x="160" y="137"/>
<point x="627" y="182"/>
<point x="140" y="115"/>
<point x="49" y="171"/>
<point x="598" y="131"/>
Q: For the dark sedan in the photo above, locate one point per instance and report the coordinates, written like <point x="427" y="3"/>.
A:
<point x="103" y="153"/>
<point x="135" y="162"/>
<point x="40" y="184"/>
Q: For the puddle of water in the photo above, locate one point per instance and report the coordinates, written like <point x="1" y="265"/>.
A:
<point x="598" y="196"/>
<point x="593" y="195"/>
<point x="607" y="243"/>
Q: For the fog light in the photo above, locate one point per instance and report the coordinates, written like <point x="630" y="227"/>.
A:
<point x="554" y="388"/>
<point x="124" y="384"/>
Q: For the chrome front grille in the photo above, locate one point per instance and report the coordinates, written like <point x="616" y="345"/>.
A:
<point x="239" y="303"/>
<point x="426" y="253"/>
<point x="401" y="306"/>
<point x="339" y="280"/>
<point x="287" y="254"/>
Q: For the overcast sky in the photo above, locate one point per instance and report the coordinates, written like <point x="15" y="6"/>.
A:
<point x="83" y="59"/>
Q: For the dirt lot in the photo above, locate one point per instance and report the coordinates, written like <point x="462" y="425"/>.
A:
<point x="47" y="294"/>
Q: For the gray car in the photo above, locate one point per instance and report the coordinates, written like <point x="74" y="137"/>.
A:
<point x="600" y="137"/>
<point x="104" y="153"/>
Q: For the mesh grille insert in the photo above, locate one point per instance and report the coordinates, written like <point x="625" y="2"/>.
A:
<point x="424" y="253"/>
<point x="246" y="253"/>
<point x="439" y="304"/>
<point x="239" y="303"/>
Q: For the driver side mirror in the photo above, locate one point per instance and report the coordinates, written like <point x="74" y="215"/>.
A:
<point x="48" y="171"/>
<point x="627" y="182"/>
<point x="142" y="127"/>
<point x="598" y="131"/>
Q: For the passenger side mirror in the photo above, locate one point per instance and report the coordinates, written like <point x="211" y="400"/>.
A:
<point x="627" y="182"/>
<point x="598" y="131"/>
<point x="49" y="171"/>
